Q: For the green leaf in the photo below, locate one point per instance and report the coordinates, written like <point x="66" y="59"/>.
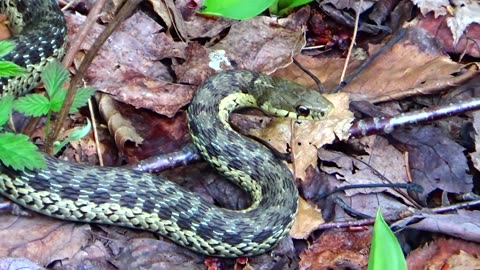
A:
<point x="75" y="134"/>
<point x="385" y="251"/>
<point x="81" y="98"/>
<point x="6" y="104"/>
<point x="57" y="100"/>
<point x="6" y="47"/>
<point x="19" y="153"/>
<point x="8" y="69"/>
<point x="235" y="9"/>
<point x="54" y="77"/>
<point x="32" y="105"/>
<point x="285" y="6"/>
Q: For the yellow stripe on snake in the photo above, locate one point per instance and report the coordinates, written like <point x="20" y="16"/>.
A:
<point x="143" y="201"/>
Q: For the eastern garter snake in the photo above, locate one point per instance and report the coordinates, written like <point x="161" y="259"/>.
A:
<point x="122" y="197"/>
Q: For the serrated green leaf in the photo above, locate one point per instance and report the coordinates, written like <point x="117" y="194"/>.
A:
<point x="6" y="105"/>
<point x="6" y="47"/>
<point x="235" y="9"/>
<point x="81" y="98"/>
<point x="54" y="77"/>
<point x="32" y="105"/>
<point x="385" y="251"/>
<point x="74" y="135"/>
<point x="57" y="100"/>
<point x="8" y="69"/>
<point x="18" y="152"/>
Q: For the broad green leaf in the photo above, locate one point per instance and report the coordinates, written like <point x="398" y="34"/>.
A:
<point x="8" y="69"/>
<point x="81" y="98"/>
<point x="32" y="105"/>
<point x="235" y="9"/>
<point x="385" y="251"/>
<point x="74" y="135"/>
<point x="6" y="47"/>
<point x="285" y="6"/>
<point x="6" y="104"/>
<point x="18" y="152"/>
<point x="54" y="77"/>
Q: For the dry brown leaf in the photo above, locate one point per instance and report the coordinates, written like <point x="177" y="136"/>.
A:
<point x="382" y="161"/>
<point x="127" y="66"/>
<point x="396" y="74"/>
<point x="308" y="219"/>
<point x="265" y="43"/>
<point x="309" y="136"/>
<point x="327" y="70"/>
<point x="120" y="127"/>
<point x="41" y="239"/>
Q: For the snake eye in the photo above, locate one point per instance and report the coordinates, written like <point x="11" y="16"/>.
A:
<point x="302" y="110"/>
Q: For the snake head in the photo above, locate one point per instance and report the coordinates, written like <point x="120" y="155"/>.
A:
<point x="285" y="98"/>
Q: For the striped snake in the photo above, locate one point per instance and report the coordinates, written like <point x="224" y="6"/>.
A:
<point x="121" y="197"/>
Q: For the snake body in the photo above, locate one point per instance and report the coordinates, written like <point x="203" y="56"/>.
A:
<point x="137" y="200"/>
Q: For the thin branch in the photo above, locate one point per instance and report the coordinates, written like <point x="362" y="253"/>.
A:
<point x="124" y="12"/>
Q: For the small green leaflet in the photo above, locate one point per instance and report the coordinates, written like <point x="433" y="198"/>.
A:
<point x="6" y="104"/>
<point x="6" y="46"/>
<point x="74" y="135"/>
<point x="8" y="69"/>
<point x="18" y="152"/>
<point x="235" y="9"/>
<point x="385" y="251"/>
<point x="33" y="105"/>
<point x="54" y="77"/>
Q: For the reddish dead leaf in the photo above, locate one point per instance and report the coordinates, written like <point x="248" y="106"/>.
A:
<point x="438" y="28"/>
<point x="265" y="43"/>
<point x="337" y="250"/>
<point x="429" y="71"/>
<point x="437" y="254"/>
<point x="128" y="65"/>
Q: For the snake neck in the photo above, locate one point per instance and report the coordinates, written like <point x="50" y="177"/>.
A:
<point x="249" y="164"/>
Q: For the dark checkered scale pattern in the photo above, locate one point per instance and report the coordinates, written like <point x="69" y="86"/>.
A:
<point x="39" y="34"/>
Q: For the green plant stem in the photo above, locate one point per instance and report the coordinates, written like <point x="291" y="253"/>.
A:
<point x="124" y="12"/>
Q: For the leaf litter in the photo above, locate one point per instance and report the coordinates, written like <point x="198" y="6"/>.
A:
<point x="146" y="68"/>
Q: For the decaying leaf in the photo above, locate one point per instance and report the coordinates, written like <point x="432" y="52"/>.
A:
<point x="121" y="128"/>
<point x="337" y="250"/>
<point x="307" y="220"/>
<point x="437" y="254"/>
<point x="42" y="240"/>
<point x="308" y="136"/>
<point x="435" y="161"/>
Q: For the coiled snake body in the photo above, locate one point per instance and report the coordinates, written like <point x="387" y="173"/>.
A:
<point x="143" y="201"/>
